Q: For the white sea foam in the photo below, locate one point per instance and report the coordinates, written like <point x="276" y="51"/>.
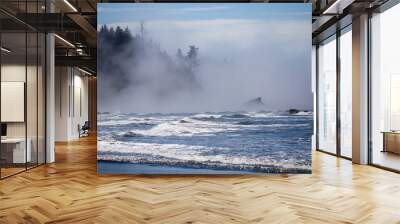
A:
<point x="129" y="152"/>
<point x="114" y="147"/>
<point x="186" y="127"/>
<point x="264" y="114"/>
<point x="206" y="116"/>
<point x="304" y="113"/>
<point x="285" y="125"/>
<point x="113" y="122"/>
<point x="261" y="114"/>
<point x="132" y="120"/>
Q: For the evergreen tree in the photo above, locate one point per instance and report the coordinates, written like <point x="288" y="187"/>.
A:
<point x="192" y="57"/>
<point x="179" y="54"/>
<point x="118" y="45"/>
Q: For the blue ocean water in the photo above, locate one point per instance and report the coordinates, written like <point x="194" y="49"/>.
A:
<point x="235" y="142"/>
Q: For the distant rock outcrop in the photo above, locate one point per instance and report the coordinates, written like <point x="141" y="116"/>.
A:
<point x="255" y="103"/>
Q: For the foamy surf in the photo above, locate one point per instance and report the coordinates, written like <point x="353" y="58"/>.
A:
<point x="266" y="142"/>
<point x="185" y="127"/>
<point x="166" y="154"/>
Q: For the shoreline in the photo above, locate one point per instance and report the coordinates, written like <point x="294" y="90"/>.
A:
<point x="117" y="167"/>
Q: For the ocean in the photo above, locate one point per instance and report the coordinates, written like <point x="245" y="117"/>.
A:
<point x="204" y="143"/>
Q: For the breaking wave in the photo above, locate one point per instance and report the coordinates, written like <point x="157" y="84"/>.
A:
<point x="184" y="127"/>
<point x="192" y="156"/>
<point x="206" y="117"/>
<point x="249" y="141"/>
<point x="304" y="113"/>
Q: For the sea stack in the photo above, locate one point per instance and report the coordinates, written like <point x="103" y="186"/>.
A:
<point x="255" y="104"/>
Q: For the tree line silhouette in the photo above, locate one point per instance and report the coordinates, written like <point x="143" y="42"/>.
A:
<point x="126" y="59"/>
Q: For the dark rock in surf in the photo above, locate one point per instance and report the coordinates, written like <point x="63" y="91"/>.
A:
<point x="293" y="111"/>
<point x="298" y="112"/>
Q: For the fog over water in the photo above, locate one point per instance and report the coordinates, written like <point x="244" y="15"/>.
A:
<point x="240" y="55"/>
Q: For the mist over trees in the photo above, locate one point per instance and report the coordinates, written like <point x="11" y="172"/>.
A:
<point x="135" y="63"/>
<point x="193" y="66"/>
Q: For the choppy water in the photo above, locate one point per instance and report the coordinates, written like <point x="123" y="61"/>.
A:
<point x="266" y="142"/>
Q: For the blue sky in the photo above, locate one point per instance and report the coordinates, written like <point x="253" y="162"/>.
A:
<point x="124" y="12"/>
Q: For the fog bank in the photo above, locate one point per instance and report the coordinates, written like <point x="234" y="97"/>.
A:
<point x="200" y="65"/>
